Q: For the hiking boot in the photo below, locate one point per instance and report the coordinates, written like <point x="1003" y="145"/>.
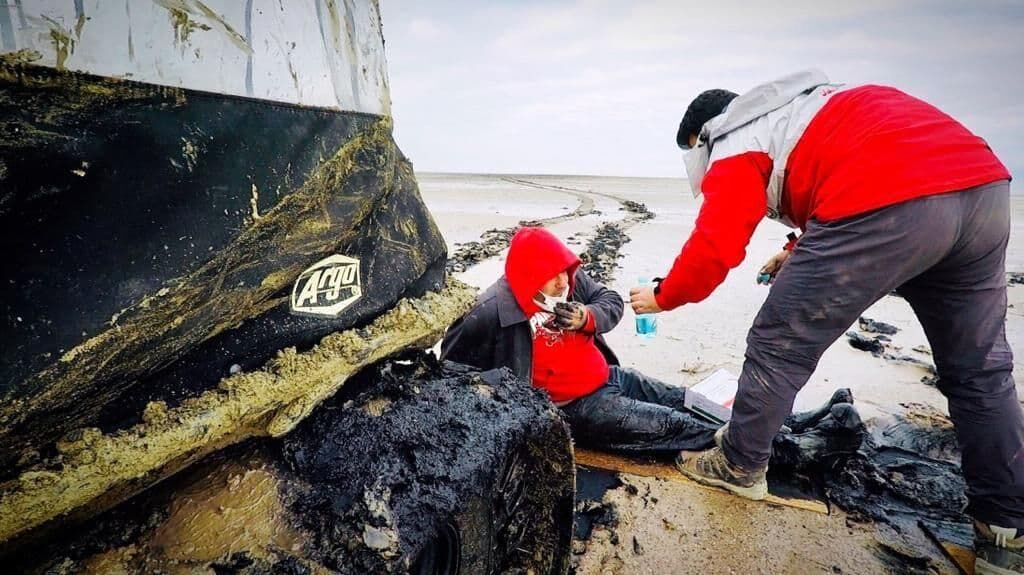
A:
<point x="999" y="550"/>
<point x="720" y="435"/>
<point x="712" y="468"/>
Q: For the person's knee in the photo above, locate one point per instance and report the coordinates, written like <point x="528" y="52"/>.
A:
<point x="641" y="378"/>
<point x="596" y="416"/>
<point x="984" y="407"/>
<point x="777" y="356"/>
<point x="629" y="372"/>
<point x="977" y="384"/>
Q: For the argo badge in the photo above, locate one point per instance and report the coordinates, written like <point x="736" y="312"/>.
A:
<point x="327" y="287"/>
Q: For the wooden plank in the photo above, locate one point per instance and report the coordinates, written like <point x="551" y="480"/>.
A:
<point x="663" y="470"/>
<point x="955" y="539"/>
<point x="962" y="556"/>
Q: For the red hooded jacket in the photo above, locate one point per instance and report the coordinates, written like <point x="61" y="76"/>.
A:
<point x="869" y="147"/>
<point x="567" y="364"/>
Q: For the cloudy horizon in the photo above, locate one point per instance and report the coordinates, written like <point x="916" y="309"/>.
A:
<point x="598" y="87"/>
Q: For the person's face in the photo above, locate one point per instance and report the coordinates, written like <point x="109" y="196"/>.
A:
<point x="693" y="140"/>
<point x="555" y="286"/>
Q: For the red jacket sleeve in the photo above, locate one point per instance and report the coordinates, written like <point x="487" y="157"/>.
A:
<point x="735" y="201"/>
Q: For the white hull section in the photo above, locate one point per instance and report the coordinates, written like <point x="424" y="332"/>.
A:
<point x="323" y="53"/>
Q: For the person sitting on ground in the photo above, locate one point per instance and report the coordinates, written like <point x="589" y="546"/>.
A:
<point x="544" y="320"/>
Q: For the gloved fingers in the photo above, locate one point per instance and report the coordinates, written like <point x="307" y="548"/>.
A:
<point x="567" y="322"/>
<point x="570" y="315"/>
<point x="569" y="309"/>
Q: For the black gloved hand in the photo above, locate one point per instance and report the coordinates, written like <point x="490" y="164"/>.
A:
<point x="571" y="315"/>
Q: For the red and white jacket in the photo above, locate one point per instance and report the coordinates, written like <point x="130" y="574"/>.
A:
<point x="802" y="148"/>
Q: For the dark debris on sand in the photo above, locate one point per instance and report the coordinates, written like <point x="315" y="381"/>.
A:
<point x="873" y="345"/>
<point x="880" y="345"/>
<point x="872" y="326"/>
<point x="898" y="557"/>
<point x="905" y="474"/>
<point x="896" y="486"/>
<point x="638" y="208"/>
<point x="602" y="252"/>
<point x="1015" y="278"/>
<point x="592" y="511"/>
<point x="491" y="243"/>
<point x="601" y="257"/>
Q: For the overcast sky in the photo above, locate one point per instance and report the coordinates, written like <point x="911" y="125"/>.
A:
<point x="599" y="87"/>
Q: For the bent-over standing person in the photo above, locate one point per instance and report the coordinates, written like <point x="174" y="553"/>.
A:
<point x="892" y="194"/>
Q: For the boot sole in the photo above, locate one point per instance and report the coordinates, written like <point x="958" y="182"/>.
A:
<point x="755" y="492"/>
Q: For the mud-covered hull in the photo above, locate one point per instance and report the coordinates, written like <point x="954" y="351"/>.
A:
<point x="208" y="230"/>
<point x="143" y="223"/>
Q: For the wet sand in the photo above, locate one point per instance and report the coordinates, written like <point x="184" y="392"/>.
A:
<point x="691" y="529"/>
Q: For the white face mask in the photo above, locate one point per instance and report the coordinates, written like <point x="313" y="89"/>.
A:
<point x="548" y="302"/>
<point x="696" y="161"/>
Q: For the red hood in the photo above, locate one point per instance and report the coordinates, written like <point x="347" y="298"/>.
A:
<point x="535" y="256"/>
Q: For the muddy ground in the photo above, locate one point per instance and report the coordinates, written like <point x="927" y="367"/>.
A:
<point x="364" y="485"/>
<point x="904" y="474"/>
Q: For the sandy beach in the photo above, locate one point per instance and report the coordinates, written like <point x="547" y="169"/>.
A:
<point x="666" y="528"/>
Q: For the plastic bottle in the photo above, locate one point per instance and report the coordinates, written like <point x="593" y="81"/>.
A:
<point x="646" y="323"/>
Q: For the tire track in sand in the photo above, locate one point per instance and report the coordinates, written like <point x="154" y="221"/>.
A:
<point x="492" y="242"/>
<point x="604" y="243"/>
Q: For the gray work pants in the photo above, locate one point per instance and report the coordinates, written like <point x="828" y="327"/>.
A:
<point x="946" y="256"/>
<point x="637" y="414"/>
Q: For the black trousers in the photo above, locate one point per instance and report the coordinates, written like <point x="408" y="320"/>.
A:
<point x="633" y="413"/>
<point x="946" y="256"/>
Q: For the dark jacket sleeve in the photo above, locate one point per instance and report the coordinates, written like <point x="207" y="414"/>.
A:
<point x="472" y="339"/>
<point x="606" y="305"/>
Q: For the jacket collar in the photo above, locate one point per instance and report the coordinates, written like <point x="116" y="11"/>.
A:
<point x="746" y="108"/>
<point x="509" y="312"/>
<point x="761" y="100"/>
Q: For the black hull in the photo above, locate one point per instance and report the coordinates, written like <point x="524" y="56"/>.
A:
<point x="152" y="237"/>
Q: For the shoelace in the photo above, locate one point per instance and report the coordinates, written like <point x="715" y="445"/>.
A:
<point x="712" y="465"/>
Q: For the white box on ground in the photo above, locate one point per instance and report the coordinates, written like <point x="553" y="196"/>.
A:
<point x="720" y="387"/>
